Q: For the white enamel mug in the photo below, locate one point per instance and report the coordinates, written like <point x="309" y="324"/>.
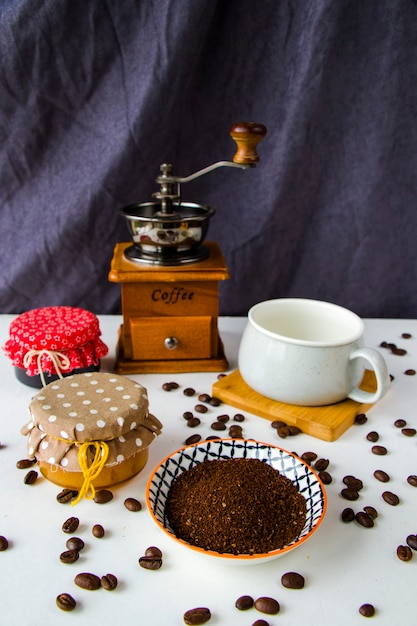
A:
<point x="308" y="353"/>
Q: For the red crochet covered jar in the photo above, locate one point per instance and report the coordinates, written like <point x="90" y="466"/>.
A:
<point x="49" y="343"/>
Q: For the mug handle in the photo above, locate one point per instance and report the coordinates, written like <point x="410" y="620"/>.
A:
<point x="377" y="362"/>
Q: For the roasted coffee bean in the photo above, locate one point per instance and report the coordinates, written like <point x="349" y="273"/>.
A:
<point x="400" y="423"/>
<point x="187" y="415"/>
<point x="325" y="477"/>
<point x="349" y="494"/>
<point x="235" y="432"/>
<point x="103" y="496"/>
<point x="70" y="525"/>
<point x="85" y="580"/>
<point x="412" y="541"/>
<point x="238" y="417"/>
<point x="270" y="606"/>
<point x="98" y="531"/>
<point x="277" y="424"/>
<point x="321" y="464"/>
<point x="390" y="498"/>
<point x="260" y="622"/>
<point x="367" y="610"/>
<point x="353" y="483"/>
<point x="65" y="602"/>
<point x="153" y="551"/>
<point x="398" y="351"/>
<point x="406" y="335"/>
<point x="215" y="401"/>
<point x="109" y="582"/>
<point x="189" y="391"/>
<point x="204" y="397"/>
<point x="408" y="432"/>
<point x="69" y="556"/>
<point x="218" y="426"/>
<point x="170" y="386"/>
<point x="348" y="515"/>
<point x="75" y="543"/>
<point x="364" y="519"/>
<point x="200" y="408"/>
<point x="370" y="510"/>
<point x="193" y="439"/>
<point x="151" y="562"/>
<point x="31" y="477"/>
<point x="244" y="603"/>
<point x="412" y="480"/>
<point x="199" y="615"/>
<point x="410" y="372"/>
<point x="25" y="463"/>
<point x="66" y="495"/>
<point x="283" y="432"/>
<point x="372" y="436"/>
<point x="382" y="476"/>
<point x="404" y="553"/>
<point x="131" y="504"/>
<point x="379" y="450"/>
<point x="292" y="580"/>
<point x="309" y="457"/>
<point x="4" y="544"/>
<point x="294" y="430"/>
<point x="193" y="422"/>
<point x="223" y="418"/>
<point x="360" y="419"/>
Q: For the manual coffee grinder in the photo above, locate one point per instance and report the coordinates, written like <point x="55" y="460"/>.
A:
<point x="169" y="278"/>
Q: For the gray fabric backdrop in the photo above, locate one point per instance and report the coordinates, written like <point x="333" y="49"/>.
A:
<point x="95" y="95"/>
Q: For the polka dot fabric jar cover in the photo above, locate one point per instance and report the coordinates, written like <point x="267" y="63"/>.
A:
<point x="54" y="340"/>
<point x="71" y="413"/>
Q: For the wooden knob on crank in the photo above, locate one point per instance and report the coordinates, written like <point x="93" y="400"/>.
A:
<point x="247" y="135"/>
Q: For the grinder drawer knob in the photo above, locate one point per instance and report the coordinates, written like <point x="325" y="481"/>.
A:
<point x="171" y="343"/>
<point x="247" y="135"/>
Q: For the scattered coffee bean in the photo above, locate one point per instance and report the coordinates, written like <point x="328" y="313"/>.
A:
<point x="353" y="483"/>
<point x="152" y="562"/>
<point x="382" y="476"/>
<point x="98" y="531"/>
<point x="410" y="372"/>
<point x="292" y="580"/>
<point x="70" y="525"/>
<point x="31" y="477"/>
<point x="223" y="418"/>
<point x="187" y="415"/>
<point x="325" y="477"/>
<point x="66" y="495"/>
<point x="408" y="432"/>
<point x="189" y="391"/>
<point x="404" y="553"/>
<point x="193" y="439"/>
<point x="170" y="386"/>
<point x="103" y="496"/>
<point x="367" y="610"/>
<point x="4" y="544"/>
<point x="25" y="463"/>
<point x="218" y="426"/>
<point x="372" y="436"/>
<point x="200" y="408"/>
<point x="360" y="419"/>
<point x="400" y="423"/>
<point x="75" y="543"/>
<point x="406" y="335"/>
<point x="88" y="581"/>
<point x="65" y="602"/>
<point x="131" y="504"/>
<point x="109" y="582"/>
<point x="215" y="401"/>
<point x="199" y="615"/>
<point x="309" y="457"/>
<point x="238" y="417"/>
<point x="153" y="551"/>
<point x="283" y="432"/>
<point x="278" y="424"/>
<point x="204" y="397"/>
<point x="349" y="494"/>
<point x="193" y="422"/>
<point x="244" y="603"/>
<point x="69" y="556"/>
<point x="370" y="510"/>
<point x="412" y="541"/>
<point x="390" y="498"/>
<point x="379" y="450"/>
<point x="398" y="351"/>
<point x="235" y="432"/>
<point x="347" y="515"/>
<point x="412" y="480"/>
<point x="321" y="464"/>
<point x="364" y="519"/>
<point x="270" y="606"/>
<point x="260" y="622"/>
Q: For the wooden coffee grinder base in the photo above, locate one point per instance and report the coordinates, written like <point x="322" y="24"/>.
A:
<point x="170" y="314"/>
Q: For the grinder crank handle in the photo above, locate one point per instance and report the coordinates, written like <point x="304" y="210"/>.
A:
<point x="247" y="135"/>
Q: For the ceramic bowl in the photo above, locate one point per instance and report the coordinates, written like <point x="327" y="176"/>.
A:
<point x="287" y="463"/>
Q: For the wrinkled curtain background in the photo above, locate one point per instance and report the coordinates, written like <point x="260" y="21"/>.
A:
<point x="96" y="94"/>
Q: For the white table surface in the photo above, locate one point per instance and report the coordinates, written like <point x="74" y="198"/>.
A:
<point x="345" y="565"/>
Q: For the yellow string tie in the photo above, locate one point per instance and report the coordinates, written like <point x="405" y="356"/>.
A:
<point x="60" y="361"/>
<point x="90" y="472"/>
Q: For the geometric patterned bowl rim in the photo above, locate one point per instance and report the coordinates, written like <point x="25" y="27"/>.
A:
<point x="288" y="463"/>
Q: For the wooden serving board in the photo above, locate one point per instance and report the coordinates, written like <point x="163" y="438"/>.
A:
<point x="323" y="422"/>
